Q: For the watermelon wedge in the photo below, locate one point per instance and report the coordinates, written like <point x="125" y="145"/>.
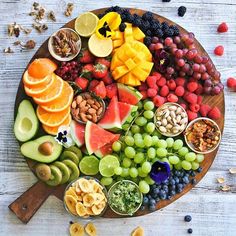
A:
<point x="96" y="137"/>
<point x="111" y="118"/>
<point x="127" y="112"/>
<point x="77" y="133"/>
<point x="128" y="94"/>
<point x="106" y="149"/>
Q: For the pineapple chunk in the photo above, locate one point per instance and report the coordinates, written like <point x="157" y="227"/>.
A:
<point x="130" y="64"/>
<point x="138" y="34"/>
<point x="119" y="72"/>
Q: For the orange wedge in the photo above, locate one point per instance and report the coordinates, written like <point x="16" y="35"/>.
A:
<point x="52" y="94"/>
<point x="63" y="101"/>
<point x="30" y="81"/>
<point x="54" y="130"/>
<point x="38" y="91"/>
<point x="52" y="119"/>
<point x="41" y="67"/>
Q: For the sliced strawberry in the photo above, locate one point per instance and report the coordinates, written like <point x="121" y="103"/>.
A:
<point x="82" y="82"/>
<point x="93" y="84"/>
<point x="100" y="90"/>
<point x="85" y="56"/>
<point x="111" y="90"/>
<point x="107" y="79"/>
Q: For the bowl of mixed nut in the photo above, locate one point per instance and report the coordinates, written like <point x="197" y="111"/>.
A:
<point x="64" y="44"/>
<point x="202" y="135"/>
<point x="170" y="119"/>
<point x="87" y="107"/>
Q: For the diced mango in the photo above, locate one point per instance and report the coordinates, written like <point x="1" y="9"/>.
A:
<point x="130" y="64"/>
<point x="131" y="80"/>
<point x="117" y="43"/>
<point x="140" y="47"/>
<point x="146" y="66"/>
<point x="138" y="34"/>
<point x="140" y="73"/>
<point x="119" y="71"/>
<point x="140" y="57"/>
<point x="115" y="62"/>
<point x="118" y="35"/>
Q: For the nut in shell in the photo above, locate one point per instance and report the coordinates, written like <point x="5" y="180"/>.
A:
<point x="232" y="170"/>
<point x="220" y="180"/>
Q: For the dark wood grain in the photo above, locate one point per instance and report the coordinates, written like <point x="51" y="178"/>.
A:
<point x="209" y="158"/>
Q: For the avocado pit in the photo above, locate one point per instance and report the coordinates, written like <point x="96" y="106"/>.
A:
<point x="46" y="148"/>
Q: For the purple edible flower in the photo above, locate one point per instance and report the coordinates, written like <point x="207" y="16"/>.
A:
<point x="161" y="60"/>
<point x="160" y="171"/>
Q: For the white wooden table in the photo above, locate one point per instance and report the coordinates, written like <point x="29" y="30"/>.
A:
<point x="213" y="212"/>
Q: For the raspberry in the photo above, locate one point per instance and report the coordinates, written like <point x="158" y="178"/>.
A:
<point x="158" y="100"/>
<point x="199" y="99"/>
<point x="222" y="28"/>
<point x="143" y="87"/>
<point x="179" y="91"/>
<point x="214" y="113"/>
<point x="219" y="50"/>
<point x="172" y="98"/>
<point x="191" y="115"/>
<point x="199" y="90"/>
<point x="171" y="84"/>
<point x="158" y="75"/>
<point x="180" y="81"/>
<point x="204" y="109"/>
<point x="192" y="86"/>
<point x="183" y="105"/>
<point x="191" y="98"/>
<point x="144" y="93"/>
<point x="151" y="92"/>
<point x="194" y="107"/>
<point x="164" y="91"/>
<point x="161" y="82"/>
<point x="231" y="82"/>
<point x="151" y="81"/>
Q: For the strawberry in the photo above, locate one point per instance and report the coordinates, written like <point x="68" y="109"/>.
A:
<point x="87" y="71"/>
<point x="222" y="28"/>
<point x="99" y="71"/>
<point x="107" y="79"/>
<point x="103" y="61"/>
<point x="111" y="90"/>
<point x="85" y="56"/>
<point x="93" y="84"/>
<point x="100" y="90"/>
<point x="81" y="82"/>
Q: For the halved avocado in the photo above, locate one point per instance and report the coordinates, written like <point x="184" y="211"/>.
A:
<point x="26" y="123"/>
<point x="44" y="149"/>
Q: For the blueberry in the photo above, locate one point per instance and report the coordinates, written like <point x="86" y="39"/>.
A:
<point x="187" y="218"/>
<point x="193" y="181"/>
<point x="152" y="207"/>
<point x="162" y="194"/>
<point x="192" y="173"/>
<point x="172" y="193"/>
<point x="149" y="197"/>
<point x="145" y="200"/>
<point x="156" y="190"/>
<point x="142" y="208"/>
<point x="152" y="202"/>
<point x="165" y="182"/>
<point x="176" y="180"/>
<point x="185" y="180"/>
<point x="165" y="188"/>
<point x="177" y="173"/>
<point x="172" y="182"/>
<point x="169" y="197"/>
<point x="199" y="170"/>
<point x="190" y="231"/>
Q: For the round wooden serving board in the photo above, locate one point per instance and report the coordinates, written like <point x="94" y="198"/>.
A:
<point x="29" y="202"/>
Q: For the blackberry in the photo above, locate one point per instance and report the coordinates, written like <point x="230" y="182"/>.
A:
<point x="181" y="11"/>
<point x="117" y="9"/>
<point x="147" y="16"/>
<point x="166" y="0"/>
<point x="101" y="15"/>
<point x="175" y="30"/>
<point x="149" y="33"/>
<point x="168" y="33"/>
<point x="137" y="22"/>
<point x="164" y="25"/>
<point x="122" y="27"/>
<point x="159" y="33"/>
<point x="129" y="18"/>
<point x="190" y="231"/>
<point x="147" y="40"/>
<point x="145" y="26"/>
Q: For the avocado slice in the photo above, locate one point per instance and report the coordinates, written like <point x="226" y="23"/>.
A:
<point x="26" y="123"/>
<point x="44" y="149"/>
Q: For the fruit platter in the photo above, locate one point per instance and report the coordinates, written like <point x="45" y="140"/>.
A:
<point x="118" y="114"/>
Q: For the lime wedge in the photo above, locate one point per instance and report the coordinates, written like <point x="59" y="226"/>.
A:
<point x="107" y="165"/>
<point x="86" y="24"/>
<point x="89" y="165"/>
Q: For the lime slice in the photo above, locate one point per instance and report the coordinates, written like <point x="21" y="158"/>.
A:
<point x="89" y="165"/>
<point x="107" y="165"/>
<point x="86" y="24"/>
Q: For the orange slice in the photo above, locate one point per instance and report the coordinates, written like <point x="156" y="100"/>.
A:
<point x="30" y="81"/>
<point x="38" y="91"/>
<point x="63" y="101"/>
<point x="54" y="130"/>
<point x="52" y="94"/>
<point x="41" y="67"/>
<point x="52" y="119"/>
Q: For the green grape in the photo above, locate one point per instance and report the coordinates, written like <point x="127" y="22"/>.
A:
<point x="129" y="140"/>
<point x="173" y="160"/>
<point x="130" y="152"/>
<point x="149" y="105"/>
<point x="133" y="172"/>
<point x="141" y="121"/>
<point x="140" y="105"/>
<point x="154" y="140"/>
<point x="118" y="170"/>
<point x="146" y="167"/>
<point x="143" y="186"/>
<point x="157" y="133"/>
<point x="183" y="151"/>
<point x="191" y="156"/>
<point x="136" y="180"/>
<point x="125" y="172"/>
<point x="155" y="159"/>
<point x="195" y="165"/>
<point x="144" y="134"/>
<point x="147" y="141"/>
<point x="199" y="158"/>
<point x="125" y="127"/>
<point x="151" y="152"/>
<point x="106" y="181"/>
<point x="138" y="136"/>
<point x="148" y="114"/>
<point x="178" y="144"/>
<point x="186" y="165"/>
<point x="135" y="129"/>
<point x="130" y="133"/>
<point x="161" y="143"/>
<point x="170" y="142"/>
<point x="139" y="143"/>
<point x="116" y="146"/>
<point x="161" y="152"/>
<point x="178" y="166"/>
<point x="126" y="162"/>
<point x="140" y="173"/>
<point x="139" y="157"/>
<point x="150" y="127"/>
<point x="149" y="180"/>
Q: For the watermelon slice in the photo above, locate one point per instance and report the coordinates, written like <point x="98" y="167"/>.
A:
<point x="128" y="94"/>
<point x="77" y="133"/>
<point x="96" y="137"/>
<point x="106" y="149"/>
<point x="127" y="112"/>
<point x="111" y="118"/>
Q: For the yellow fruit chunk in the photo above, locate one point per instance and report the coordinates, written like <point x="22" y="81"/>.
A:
<point x="90" y="229"/>
<point x="138" y="232"/>
<point x="76" y="229"/>
<point x="80" y="209"/>
<point x="116" y="62"/>
<point x="117" y="43"/>
<point x="70" y="202"/>
<point x="118" y="35"/>
<point x="140" y="47"/>
<point x="146" y="66"/>
<point x="130" y="64"/>
<point x="140" y="74"/>
<point x="131" y="79"/>
<point x="119" y="71"/>
<point x="139" y="58"/>
<point x="138" y="34"/>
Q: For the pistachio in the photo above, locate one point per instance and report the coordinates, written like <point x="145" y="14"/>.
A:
<point x="220" y="180"/>
<point x="232" y="170"/>
<point x="162" y="129"/>
<point x="46" y="148"/>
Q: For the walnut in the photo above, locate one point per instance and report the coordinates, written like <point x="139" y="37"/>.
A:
<point x="69" y="9"/>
